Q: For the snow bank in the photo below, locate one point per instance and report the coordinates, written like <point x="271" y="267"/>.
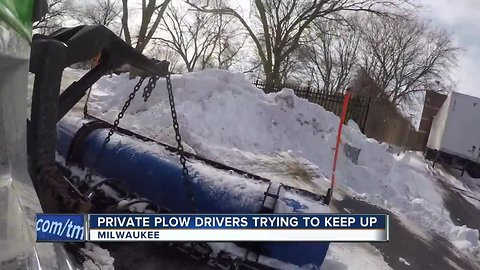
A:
<point x="224" y="117"/>
<point x="465" y="238"/>
<point x="219" y="110"/>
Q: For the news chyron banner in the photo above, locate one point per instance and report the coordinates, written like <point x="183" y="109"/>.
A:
<point x="61" y="228"/>
<point x="213" y="227"/>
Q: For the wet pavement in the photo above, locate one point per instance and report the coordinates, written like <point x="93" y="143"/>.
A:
<point x="461" y="211"/>
<point x="432" y="251"/>
<point x="437" y="253"/>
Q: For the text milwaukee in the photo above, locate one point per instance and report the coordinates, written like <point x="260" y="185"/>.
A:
<point x="129" y="235"/>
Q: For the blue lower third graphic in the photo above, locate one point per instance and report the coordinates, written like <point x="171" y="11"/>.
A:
<point x="60" y="227"/>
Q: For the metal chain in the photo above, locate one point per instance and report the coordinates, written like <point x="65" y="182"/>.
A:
<point x="146" y="94"/>
<point x="152" y="82"/>
<point x="178" y="138"/>
<point x="88" y="176"/>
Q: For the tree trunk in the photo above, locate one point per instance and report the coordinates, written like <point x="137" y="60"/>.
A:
<point x="125" y="28"/>
<point x="269" y="82"/>
<point x="272" y="76"/>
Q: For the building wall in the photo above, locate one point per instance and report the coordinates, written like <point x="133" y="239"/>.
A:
<point x="384" y="123"/>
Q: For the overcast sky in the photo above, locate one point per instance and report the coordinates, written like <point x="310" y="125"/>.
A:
<point x="462" y="18"/>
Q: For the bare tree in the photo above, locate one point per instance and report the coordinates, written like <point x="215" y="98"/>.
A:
<point x="331" y="54"/>
<point x="151" y="10"/>
<point x="231" y="40"/>
<point x="159" y="51"/>
<point x="100" y="12"/>
<point x="278" y="27"/>
<point x="291" y="67"/>
<point x="190" y="34"/>
<point x="53" y="20"/>
<point x="202" y="40"/>
<point x="405" y="55"/>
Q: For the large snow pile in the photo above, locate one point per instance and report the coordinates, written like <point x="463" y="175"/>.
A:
<point x="224" y="117"/>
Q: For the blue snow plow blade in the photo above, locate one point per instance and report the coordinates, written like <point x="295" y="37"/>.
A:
<point x="157" y="176"/>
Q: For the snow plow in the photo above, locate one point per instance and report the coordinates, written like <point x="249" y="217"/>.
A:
<point x="121" y="175"/>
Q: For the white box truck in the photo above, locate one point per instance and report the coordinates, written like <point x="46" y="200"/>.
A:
<point x="455" y="131"/>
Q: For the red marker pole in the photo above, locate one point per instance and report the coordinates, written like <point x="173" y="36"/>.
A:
<point x="346" y="99"/>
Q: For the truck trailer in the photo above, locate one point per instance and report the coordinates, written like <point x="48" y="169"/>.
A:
<point x="455" y="133"/>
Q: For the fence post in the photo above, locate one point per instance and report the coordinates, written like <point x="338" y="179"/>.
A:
<point x="366" y="111"/>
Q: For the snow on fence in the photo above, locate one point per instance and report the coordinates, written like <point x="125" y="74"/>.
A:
<point x="357" y="109"/>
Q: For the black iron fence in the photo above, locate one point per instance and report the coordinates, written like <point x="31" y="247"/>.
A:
<point x="357" y="108"/>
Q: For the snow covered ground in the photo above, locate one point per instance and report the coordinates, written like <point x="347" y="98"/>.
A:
<point x="224" y="117"/>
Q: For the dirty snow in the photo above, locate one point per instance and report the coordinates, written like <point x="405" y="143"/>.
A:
<point x="224" y="117"/>
<point x="468" y="187"/>
<point x="343" y="256"/>
<point x="99" y="258"/>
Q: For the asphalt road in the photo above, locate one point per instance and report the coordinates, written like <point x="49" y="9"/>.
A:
<point x="435" y="253"/>
<point x="421" y="254"/>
